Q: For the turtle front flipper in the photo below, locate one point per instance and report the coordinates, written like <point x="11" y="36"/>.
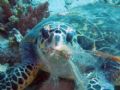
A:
<point x="94" y="84"/>
<point x="99" y="82"/>
<point x="21" y="75"/>
<point x="111" y="70"/>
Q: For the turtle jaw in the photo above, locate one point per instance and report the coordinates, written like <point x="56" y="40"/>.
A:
<point x="64" y="51"/>
<point x="57" y="52"/>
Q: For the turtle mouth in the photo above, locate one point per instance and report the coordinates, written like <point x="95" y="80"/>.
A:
<point x="57" y="52"/>
<point x="62" y="53"/>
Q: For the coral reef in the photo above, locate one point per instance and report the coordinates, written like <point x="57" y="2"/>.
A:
<point x="16" y="18"/>
<point x="21" y="15"/>
<point x="28" y="20"/>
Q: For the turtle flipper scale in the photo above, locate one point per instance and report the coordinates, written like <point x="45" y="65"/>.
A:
<point x="21" y="75"/>
<point x="99" y="84"/>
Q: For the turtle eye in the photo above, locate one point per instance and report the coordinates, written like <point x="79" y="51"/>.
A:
<point x="69" y="37"/>
<point x="57" y="31"/>
<point x="52" y="30"/>
<point x="45" y="33"/>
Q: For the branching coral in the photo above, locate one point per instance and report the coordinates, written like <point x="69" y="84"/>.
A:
<point x="18" y="16"/>
<point x="21" y="15"/>
<point x="27" y="21"/>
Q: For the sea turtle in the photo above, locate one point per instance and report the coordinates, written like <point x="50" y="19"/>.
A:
<point x="112" y="2"/>
<point x="21" y="75"/>
<point x="70" y="45"/>
<point x="86" y="42"/>
<point x="58" y="43"/>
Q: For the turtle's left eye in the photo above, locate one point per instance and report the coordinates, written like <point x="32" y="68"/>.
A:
<point x="51" y="30"/>
<point x="69" y="37"/>
<point x="45" y="33"/>
<point x="57" y="31"/>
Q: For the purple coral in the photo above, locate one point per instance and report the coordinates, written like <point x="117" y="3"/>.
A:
<point x="22" y="17"/>
<point x="27" y="21"/>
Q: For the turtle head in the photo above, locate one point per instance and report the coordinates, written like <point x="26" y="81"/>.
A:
<point x="54" y="39"/>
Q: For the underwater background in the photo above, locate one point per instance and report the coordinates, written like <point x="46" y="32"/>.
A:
<point x="97" y="23"/>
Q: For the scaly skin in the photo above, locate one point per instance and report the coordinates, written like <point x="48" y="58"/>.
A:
<point x="21" y="75"/>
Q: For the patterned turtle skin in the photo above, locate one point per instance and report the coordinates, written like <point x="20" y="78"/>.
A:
<point x="112" y="2"/>
<point x="21" y="75"/>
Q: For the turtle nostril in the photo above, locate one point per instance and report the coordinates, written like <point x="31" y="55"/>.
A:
<point x="57" y="39"/>
<point x="57" y="31"/>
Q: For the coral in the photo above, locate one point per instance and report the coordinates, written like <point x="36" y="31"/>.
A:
<point x="34" y="15"/>
<point x="2" y="27"/>
<point x="13" y="19"/>
<point x="21" y="14"/>
<point x="15" y="37"/>
<point x="6" y="11"/>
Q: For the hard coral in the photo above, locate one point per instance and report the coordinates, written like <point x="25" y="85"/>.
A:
<point x="6" y="12"/>
<point x="27" y="21"/>
<point x="21" y="15"/>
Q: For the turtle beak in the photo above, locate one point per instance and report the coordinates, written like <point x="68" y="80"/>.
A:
<point x="57" y="39"/>
<point x="63" y="50"/>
